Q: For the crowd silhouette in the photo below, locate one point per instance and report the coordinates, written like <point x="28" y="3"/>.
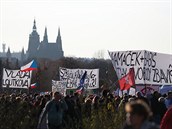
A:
<point x="78" y="111"/>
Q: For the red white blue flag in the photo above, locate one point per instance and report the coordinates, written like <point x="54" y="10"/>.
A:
<point x="80" y="89"/>
<point x="34" y="85"/>
<point x="29" y="67"/>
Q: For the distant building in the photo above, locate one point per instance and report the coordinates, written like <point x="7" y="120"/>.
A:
<point x="37" y="49"/>
<point x="44" y="49"/>
<point x="11" y="55"/>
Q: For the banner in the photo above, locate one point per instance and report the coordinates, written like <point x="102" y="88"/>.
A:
<point x="73" y="77"/>
<point x="150" y="67"/>
<point x="59" y="86"/>
<point x="148" y="89"/>
<point x="16" y="78"/>
<point x="131" y="91"/>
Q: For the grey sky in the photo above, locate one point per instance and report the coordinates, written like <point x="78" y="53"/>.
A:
<point x="89" y="25"/>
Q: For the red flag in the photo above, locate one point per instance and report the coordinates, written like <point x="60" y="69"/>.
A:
<point x="127" y="81"/>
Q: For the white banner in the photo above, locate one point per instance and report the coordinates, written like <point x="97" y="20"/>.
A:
<point x="16" y="78"/>
<point x="131" y="91"/>
<point x="59" y="86"/>
<point x="148" y="89"/>
<point x="73" y="76"/>
<point x="150" y="67"/>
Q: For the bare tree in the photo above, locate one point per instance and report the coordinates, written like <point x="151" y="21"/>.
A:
<point x="100" y="54"/>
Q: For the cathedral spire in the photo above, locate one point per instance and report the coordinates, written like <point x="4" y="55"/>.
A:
<point x="34" y="25"/>
<point x="22" y="50"/>
<point x="8" y="54"/>
<point x="22" y="58"/>
<point x="59" y="32"/>
<point x="59" y="41"/>
<point x="45" y="35"/>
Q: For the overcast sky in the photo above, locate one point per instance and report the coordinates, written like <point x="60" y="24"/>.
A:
<point x="88" y="26"/>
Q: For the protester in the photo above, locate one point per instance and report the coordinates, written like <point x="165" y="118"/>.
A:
<point x="163" y="108"/>
<point x="137" y="116"/>
<point x="54" y="109"/>
<point x="166" y="122"/>
<point x="156" y="107"/>
<point x="22" y="111"/>
<point x="168" y="101"/>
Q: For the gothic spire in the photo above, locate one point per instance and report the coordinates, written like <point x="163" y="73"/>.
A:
<point x="59" y="41"/>
<point x="8" y="54"/>
<point x="8" y="50"/>
<point x="34" y="25"/>
<point x="45" y="35"/>
<point x="59" y="32"/>
<point x="23" y="50"/>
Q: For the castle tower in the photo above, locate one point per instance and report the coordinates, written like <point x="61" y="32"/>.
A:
<point x="8" y="54"/>
<point x="34" y="41"/>
<point x="45" y="39"/>
<point x="3" y="47"/>
<point x="23" y="57"/>
<point x="59" y="44"/>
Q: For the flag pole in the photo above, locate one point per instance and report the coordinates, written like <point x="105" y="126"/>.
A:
<point x="145" y="89"/>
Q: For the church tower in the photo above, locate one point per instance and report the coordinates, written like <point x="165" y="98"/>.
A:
<point x="8" y="54"/>
<point x="43" y="51"/>
<point x="23" y="57"/>
<point x="59" y="44"/>
<point x="34" y="41"/>
<point x="45" y="39"/>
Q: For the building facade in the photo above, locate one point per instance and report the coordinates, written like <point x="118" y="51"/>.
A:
<point x="44" y="49"/>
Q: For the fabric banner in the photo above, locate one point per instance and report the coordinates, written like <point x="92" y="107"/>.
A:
<point x="73" y="77"/>
<point x="59" y="86"/>
<point x="16" y="78"/>
<point x="29" y="67"/>
<point x="131" y="91"/>
<point x="127" y="81"/>
<point x="150" y="67"/>
<point x="147" y="89"/>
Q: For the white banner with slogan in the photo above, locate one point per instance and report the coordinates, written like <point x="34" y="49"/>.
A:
<point x="16" y="78"/>
<point x="59" y="86"/>
<point x="73" y="77"/>
<point x="150" y="67"/>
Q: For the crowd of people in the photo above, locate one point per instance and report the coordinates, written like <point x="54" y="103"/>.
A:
<point x="105" y="111"/>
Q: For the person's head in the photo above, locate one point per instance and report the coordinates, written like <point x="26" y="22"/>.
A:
<point x="57" y="95"/>
<point x="137" y="112"/>
<point x="138" y="94"/>
<point x="131" y="99"/>
<point x="170" y="94"/>
<point x="161" y="100"/>
<point x="95" y="99"/>
<point x="105" y="93"/>
<point x="156" y="94"/>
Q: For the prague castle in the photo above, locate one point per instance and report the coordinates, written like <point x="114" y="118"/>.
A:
<point x="37" y="48"/>
<point x="44" y="49"/>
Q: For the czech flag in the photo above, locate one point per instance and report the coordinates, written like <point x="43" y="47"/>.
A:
<point x="34" y="85"/>
<point x="80" y="89"/>
<point x="29" y="67"/>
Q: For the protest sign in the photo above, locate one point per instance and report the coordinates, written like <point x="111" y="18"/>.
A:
<point x="59" y="86"/>
<point x="73" y="76"/>
<point x="16" y="78"/>
<point x="150" y="67"/>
